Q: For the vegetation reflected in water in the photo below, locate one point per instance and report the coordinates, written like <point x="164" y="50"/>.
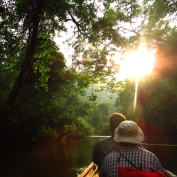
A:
<point x="66" y="159"/>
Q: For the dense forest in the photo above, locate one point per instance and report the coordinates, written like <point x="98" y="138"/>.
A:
<point x="44" y="99"/>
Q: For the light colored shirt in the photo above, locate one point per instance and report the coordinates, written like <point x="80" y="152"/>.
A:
<point x="141" y="158"/>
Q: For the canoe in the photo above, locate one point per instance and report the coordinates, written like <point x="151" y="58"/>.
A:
<point x="92" y="171"/>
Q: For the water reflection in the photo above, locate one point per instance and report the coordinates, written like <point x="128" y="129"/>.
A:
<point x="66" y="159"/>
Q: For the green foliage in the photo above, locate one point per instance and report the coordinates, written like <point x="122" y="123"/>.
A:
<point x="40" y="95"/>
<point x="84" y="129"/>
<point x="100" y="119"/>
<point x="45" y="56"/>
<point x="125" y="99"/>
<point x="156" y="97"/>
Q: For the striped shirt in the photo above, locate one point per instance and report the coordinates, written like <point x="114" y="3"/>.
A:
<point x="141" y="158"/>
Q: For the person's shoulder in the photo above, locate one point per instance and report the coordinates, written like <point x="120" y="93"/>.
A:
<point x="100" y="143"/>
<point x="112" y="154"/>
<point x="147" y="152"/>
<point x="104" y="140"/>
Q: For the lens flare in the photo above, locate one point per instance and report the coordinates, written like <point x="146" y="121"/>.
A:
<point x="136" y="64"/>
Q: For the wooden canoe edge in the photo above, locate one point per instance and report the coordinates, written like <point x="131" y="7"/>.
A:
<point x="91" y="167"/>
<point x="169" y="173"/>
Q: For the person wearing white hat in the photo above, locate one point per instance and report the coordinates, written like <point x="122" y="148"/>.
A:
<point x="129" y="154"/>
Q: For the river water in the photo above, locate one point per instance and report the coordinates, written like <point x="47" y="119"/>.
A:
<point x="66" y="159"/>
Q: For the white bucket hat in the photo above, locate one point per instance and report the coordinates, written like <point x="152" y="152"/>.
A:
<point x="128" y="132"/>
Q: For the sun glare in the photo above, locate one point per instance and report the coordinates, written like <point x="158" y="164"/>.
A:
<point x="136" y="64"/>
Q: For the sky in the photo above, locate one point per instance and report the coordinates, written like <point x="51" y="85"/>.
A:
<point x="67" y="50"/>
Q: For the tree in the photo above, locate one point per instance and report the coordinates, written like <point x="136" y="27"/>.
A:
<point x="156" y="100"/>
<point x="37" y="20"/>
<point x="28" y="51"/>
<point x="100" y="119"/>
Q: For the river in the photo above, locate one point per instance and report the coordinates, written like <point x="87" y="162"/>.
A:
<point x="66" y="159"/>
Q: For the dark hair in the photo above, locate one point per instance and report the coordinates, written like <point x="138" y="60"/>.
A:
<point x="114" y="120"/>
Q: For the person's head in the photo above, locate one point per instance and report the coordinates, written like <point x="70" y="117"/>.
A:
<point x="114" y="120"/>
<point x="128" y="132"/>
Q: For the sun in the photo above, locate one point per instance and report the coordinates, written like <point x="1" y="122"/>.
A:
<point x="137" y="63"/>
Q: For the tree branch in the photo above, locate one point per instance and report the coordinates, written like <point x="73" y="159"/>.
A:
<point x="77" y="24"/>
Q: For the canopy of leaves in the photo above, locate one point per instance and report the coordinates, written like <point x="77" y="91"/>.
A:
<point x="40" y="93"/>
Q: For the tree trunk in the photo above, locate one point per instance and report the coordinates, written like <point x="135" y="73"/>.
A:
<point x="27" y="62"/>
